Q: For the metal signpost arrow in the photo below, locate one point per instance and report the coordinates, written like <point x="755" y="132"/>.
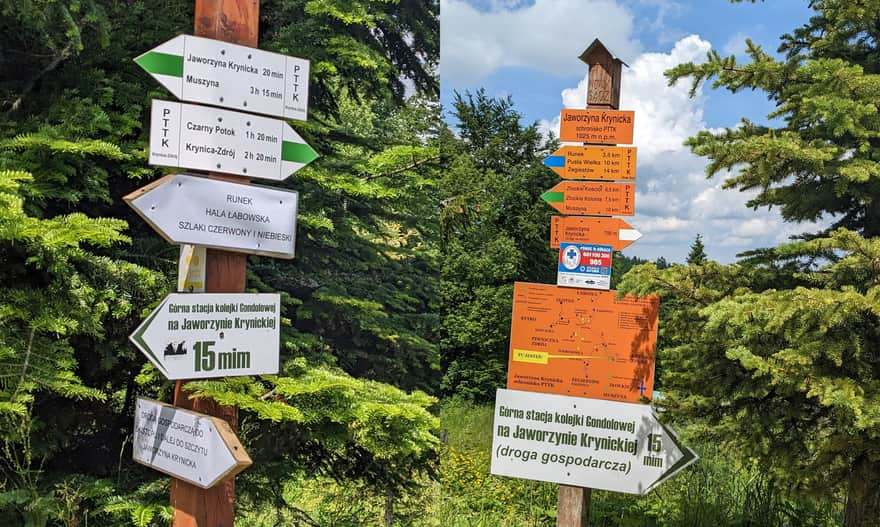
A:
<point x="594" y="162"/>
<point x="582" y="229"/>
<point x="212" y="335"/>
<point x="607" y="445"/>
<point x="197" y="448"/>
<point x="205" y="138"/>
<point x="609" y="199"/>
<point x="218" y="73"/>
<point x="214" y="213"/>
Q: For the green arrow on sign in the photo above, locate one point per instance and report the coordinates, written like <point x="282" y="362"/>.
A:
<point x="595" y="198"/>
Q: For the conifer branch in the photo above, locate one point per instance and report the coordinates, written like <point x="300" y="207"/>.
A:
<point x="24" y="366"/>
<point x="410" y="166"/>
<point x="65" y="53"/>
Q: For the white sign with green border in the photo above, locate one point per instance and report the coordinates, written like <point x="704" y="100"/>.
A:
<point x="205" y="335"/>
<point x="205" y="138"/>
<point x="218" y="73"/>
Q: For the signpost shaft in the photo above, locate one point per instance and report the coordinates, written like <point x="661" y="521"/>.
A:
<point x="574" y="507"/>
<point x="603" y="92"/>
<point x="235" y="21"/>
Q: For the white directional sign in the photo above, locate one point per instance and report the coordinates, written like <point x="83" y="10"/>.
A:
<point x="582" y="442"/>
<point x="220" y="214"/>
<point x="218" y="73"/>
<point x="205" y="138"/>
<point x="197" y="448"/>
<point x="199" y="336"/>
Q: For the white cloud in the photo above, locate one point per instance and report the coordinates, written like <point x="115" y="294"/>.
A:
<point x="675" y="201"/>
<point x="545" y="35"/>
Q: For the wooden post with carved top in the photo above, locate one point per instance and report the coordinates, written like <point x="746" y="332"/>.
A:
<point x="603" y="84"/>
<point x="234" y="21"/>
<point x="603" y="91"/>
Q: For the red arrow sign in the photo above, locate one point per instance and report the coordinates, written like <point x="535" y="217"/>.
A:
<point x="594" y="162"/>
<point x="603" y="199"/>
<point x="602" y="231"/>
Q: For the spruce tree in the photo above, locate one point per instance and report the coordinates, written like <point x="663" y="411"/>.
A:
<point x="697" y="255"/>
<point x="778" y="356"/>
<point x="79" y="270"/>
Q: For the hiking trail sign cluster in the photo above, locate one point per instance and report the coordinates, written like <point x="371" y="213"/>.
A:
<point x="581" y="362"/>
<point x="198" y="335"/>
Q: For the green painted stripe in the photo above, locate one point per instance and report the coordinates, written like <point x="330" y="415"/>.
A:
<point x="161" y="63"/>
<point x="553" y="197"/>
<point x="138" y="337"/>
<point x="297" y="152"/>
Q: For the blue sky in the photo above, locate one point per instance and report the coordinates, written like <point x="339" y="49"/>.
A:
<point x="528" y="49"/>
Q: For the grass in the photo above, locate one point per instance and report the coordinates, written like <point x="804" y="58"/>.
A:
<point x="714" y="492"/>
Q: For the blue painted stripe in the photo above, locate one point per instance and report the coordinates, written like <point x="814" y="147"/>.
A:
<point x="555" y="161"/>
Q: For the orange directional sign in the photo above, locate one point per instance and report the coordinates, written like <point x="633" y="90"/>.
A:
<point x="604" y="199"/>
<point x="582" y="342"/>
<point x="602" y="231"/>
<point x="607" y="127"/>
<point x="594" y="162"/>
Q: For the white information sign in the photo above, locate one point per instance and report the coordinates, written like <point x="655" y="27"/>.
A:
<point x="205" y="138"/>
<point x="220" y="214"/>
<point x="199" y="336"/>
<point x="197" y="448"/>
<point x="581" y="442"/>
<point x="585" y="265"/>
<point x="218" y="73"/>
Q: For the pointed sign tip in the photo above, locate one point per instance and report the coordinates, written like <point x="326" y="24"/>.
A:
<point x="298" y="153"/>
<point x="629" y="235"/>
<point x="554" y="161"/>
<point x="553" y="197"/>
<point x="157" y="63"/>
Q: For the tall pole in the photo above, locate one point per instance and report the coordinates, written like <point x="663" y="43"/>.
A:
<point x="603" y="92"/>
<point x="235" y="21"/>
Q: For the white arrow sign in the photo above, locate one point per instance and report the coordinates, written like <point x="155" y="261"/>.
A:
<point x="204" y="138"/>
<point x="200" y="336"/>
<point x="220" y="214"/>
<point x="218" y="73"/>
<point x="582" y="442"/>
<point x="197" y="448"/>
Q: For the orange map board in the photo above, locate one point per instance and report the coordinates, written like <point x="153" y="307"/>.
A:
<point x="582" y="342"/>
<point x="604" y="199"/>
<point x="607" y="127"/>
<point x="584" y="229"/>
<point x="594" y="162"/>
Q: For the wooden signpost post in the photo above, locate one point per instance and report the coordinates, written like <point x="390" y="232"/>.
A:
<point x="588" y="354"/>
<point x="234" y="21"/>
<point x="221" y="332"/>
